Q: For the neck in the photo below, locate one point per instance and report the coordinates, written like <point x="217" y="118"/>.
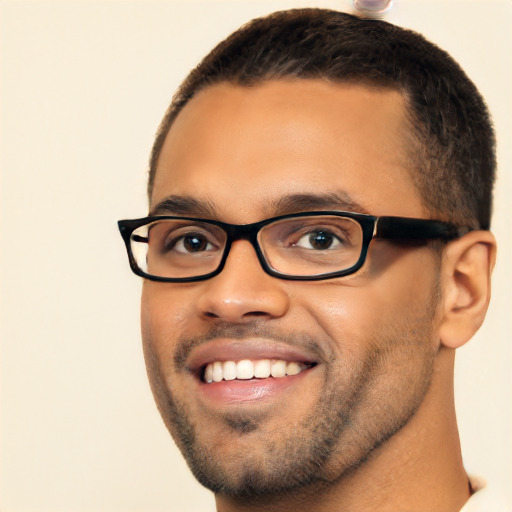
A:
<point x="419" y="468"/>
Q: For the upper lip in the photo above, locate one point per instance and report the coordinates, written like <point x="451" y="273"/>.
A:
<point x="237" y="350"/>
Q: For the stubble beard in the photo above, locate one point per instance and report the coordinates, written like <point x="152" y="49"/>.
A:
<point x="340" y="433"/>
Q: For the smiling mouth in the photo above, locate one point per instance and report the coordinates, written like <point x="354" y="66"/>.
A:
<point x="247" y="369"/>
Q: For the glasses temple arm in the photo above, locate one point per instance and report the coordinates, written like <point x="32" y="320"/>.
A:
<point x="142" y="239"/>
<point x="416" y="229"/>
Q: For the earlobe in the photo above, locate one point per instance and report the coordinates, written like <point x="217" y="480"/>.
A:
<point x="466" y="269"/>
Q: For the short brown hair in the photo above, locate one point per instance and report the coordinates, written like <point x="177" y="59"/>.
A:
<point x="453" y="145"/>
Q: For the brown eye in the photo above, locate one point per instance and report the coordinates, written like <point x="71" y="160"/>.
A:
<point x="321" y="240"/>
<point x="191" y="243"/>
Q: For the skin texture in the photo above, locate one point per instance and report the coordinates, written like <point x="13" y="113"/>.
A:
<point x="371" y="426"/>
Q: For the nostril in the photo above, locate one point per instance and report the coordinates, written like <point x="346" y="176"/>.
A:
<point x="249" y="314"/>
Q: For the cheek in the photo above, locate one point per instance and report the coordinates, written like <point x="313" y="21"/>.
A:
<point x="164" y="314"/>
<point x="399" y="290"/>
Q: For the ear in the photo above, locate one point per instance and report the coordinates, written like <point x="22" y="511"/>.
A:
<point x="466" y="269"/>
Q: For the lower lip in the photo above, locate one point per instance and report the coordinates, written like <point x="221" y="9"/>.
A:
<point x="253" y="390"/>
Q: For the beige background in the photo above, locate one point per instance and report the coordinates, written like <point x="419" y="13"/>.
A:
<point x="83" y="86"/>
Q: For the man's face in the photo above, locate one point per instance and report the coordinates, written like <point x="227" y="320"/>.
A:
<point x="366" y="343"/>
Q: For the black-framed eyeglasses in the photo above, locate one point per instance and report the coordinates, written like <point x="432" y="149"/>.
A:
<point x="304" y="246"/>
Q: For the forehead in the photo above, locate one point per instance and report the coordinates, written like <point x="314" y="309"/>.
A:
<point x="241" y="150"/>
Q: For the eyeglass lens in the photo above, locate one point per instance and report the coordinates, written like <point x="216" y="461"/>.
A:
<point x="297" y="246"/>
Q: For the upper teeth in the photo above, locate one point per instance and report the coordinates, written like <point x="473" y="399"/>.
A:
<point x="247" y="369"/>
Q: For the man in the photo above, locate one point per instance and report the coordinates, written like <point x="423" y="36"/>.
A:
<point x="317" y="247"/>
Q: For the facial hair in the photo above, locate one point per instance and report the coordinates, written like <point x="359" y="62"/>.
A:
<point x="364" y="401"/>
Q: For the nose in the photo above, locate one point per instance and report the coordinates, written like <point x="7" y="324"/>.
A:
<point x="243" y="291"/>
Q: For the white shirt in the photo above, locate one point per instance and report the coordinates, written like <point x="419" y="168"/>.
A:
<point x="484" y="499"/>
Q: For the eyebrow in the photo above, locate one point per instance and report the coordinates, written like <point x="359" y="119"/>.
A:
<point x="294" y="203"/>
<point x="183" y="205"/>
<point x="290" y="203"/>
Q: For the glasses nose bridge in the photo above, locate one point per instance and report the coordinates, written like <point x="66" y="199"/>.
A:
<point x="247" y="232"/>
